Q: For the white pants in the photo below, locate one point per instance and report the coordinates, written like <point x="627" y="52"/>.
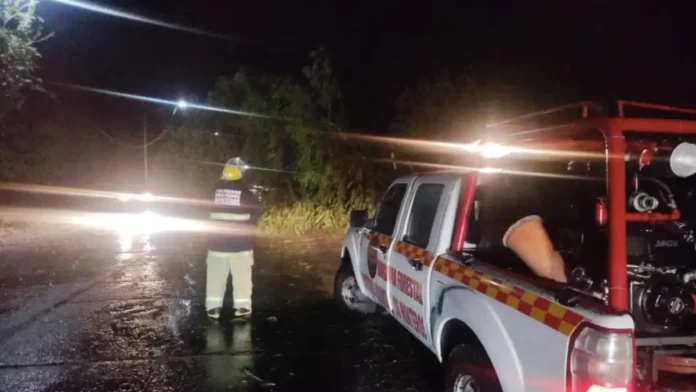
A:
<point x="220" y="265"/>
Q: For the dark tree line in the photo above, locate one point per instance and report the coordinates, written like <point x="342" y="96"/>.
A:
<point x="316" y="169"/>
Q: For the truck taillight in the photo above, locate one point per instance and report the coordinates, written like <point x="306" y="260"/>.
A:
<point x="597" y="388"/>
<point x="600" y="360"/>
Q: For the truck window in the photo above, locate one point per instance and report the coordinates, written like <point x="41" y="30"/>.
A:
<point x="422" y="214"/>
<point x="500" y="202"/>
<point x="385" y="219"/>
<point x="506" y="199"/>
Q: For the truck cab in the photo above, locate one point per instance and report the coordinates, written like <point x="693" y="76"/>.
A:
<point x="426" y="258"/>
<point x="471" y="314"/>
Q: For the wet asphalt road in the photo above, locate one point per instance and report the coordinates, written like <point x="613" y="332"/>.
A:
<point x="90" y="311"/>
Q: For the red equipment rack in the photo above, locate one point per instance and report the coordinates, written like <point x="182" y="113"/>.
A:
<point x="613" y="146"/>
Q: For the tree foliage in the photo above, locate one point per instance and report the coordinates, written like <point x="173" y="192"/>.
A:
<point x="440" y="107"/>
<point x="444" y="108"/>
<point x="20" y="31"/>
<point x="303" y="142"/>
<point x="306" y="135"/>
<point x="60" y="149"/>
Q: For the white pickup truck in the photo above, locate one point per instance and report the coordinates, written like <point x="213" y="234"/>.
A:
<point x="495" y="328"/>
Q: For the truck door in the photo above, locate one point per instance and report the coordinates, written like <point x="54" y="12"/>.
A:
<point x="377" y="240"/>
<point x="411" y="256"/>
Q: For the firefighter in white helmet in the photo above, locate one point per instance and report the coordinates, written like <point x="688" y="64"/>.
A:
<point x="232" y="253"/>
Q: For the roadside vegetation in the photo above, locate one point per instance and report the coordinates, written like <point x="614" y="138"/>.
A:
<point x="315" y="170"/>
<point x="311" y="171"/>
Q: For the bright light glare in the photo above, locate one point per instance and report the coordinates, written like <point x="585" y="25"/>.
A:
<point x="148" y="223"/>
<point x="125" y="241"/>
<point x="599" y="388"/>
<point x="147" y="196"/>
<point x="490" y="170"/>
<point x="137" y="224"/>
<point x="181" y="104"/>
<point x="492" y="150"/>
<point x="217" y="133"/>
<point x="124" y="224"/>
<point x="79" y="192"/>
<point x="488" y="150"/>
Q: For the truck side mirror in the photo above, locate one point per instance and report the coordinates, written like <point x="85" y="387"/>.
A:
<point x="358" y="218"/>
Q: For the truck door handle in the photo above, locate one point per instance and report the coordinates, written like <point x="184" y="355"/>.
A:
<point x="416" y="264"/>
<point x="382" y="248"/>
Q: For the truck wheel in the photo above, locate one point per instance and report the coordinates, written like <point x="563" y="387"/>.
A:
<point x="470" y="370"/>
<point x="348" y="292"/>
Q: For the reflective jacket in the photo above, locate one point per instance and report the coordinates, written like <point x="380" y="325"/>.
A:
<point x="236" y="204"/>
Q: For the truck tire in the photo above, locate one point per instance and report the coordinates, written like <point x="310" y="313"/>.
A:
<point x="347" y="291"/>
<point x="470" y="370"/>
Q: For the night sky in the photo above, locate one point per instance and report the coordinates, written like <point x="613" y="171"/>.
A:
<point x="528" y="55"/>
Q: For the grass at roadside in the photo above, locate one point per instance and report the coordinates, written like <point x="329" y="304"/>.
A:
<point x="308" y="219"/>
<point x="304" y="218"/>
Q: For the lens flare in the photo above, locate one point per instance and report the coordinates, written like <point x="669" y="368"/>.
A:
<point x="486" y="170"/>
<point x="175" y="104"/>
<point x="148" y="223"/>
<point x="88" y="6"/>
<point x="484" y="149"/>
<point x="80" y="192"/>
<point x="144" y="223"/>
<point x="488" y="150"/>
<point x="123" y="224"/>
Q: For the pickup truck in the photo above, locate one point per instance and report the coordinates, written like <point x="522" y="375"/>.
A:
<point x="495" y="328"/>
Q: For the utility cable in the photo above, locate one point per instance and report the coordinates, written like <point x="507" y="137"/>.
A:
<point x="135" y="146"/>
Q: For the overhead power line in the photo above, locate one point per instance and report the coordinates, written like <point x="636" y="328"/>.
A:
<point x="135" y="146"/>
